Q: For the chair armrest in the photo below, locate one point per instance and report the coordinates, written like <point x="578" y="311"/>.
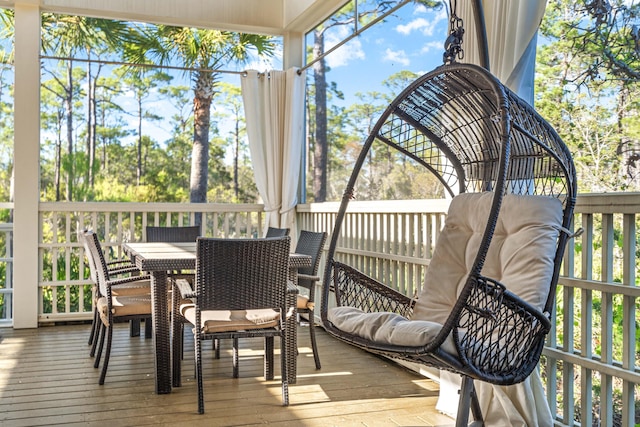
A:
<point x="116" y="262"/>
<point x="124" y="269"/>
<point x="292" y="288"/>
<point x="308" y="277"/>
<point x="123" y="280"/>
<point x="184" y="288"/>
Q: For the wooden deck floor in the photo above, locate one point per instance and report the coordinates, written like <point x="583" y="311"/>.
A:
<point x="47" y="378"/>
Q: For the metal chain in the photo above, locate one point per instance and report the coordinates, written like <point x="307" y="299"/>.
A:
<point x="453" y="45"/>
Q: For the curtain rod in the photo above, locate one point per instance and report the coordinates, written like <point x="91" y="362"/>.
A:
<point x="130" y="64"/>
<point x="356" y="33"/>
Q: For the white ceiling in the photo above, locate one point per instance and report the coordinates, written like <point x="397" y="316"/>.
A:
<point x="273" y="17"/>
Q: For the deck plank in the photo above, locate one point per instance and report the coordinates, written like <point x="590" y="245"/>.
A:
<point x="47" y="378"/>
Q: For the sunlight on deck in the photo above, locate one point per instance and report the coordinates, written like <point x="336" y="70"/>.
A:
<point x="47" y="378"/>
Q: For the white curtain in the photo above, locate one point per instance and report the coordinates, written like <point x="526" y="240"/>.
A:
<point x="274" y="110"/>
<point x="511" y="27"/>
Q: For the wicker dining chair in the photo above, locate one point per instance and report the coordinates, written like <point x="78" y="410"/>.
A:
<point x="175" y="234"/>
<point x="115" y="268"/>
<point x="277" y="232"/>
<point x="310" y="243"/>
<point x="240" y="292"/>
<point x="112" y="307"/>
<point x="187" y="233"/>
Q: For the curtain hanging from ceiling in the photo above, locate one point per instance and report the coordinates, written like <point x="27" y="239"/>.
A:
<point x="511" y="29"/>
<point x="274" y="111"/>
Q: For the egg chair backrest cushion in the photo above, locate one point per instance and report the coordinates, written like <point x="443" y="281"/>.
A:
<point x="520" y="256"/>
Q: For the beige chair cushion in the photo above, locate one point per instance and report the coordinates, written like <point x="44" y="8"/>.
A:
<point x="303" y="303"/>
<point x="387" y="328"/>
<point x="139" y="287"/>
<point x="521" y="255"/>
<point x="124" y="306"/>
<point x="232" y="320"/>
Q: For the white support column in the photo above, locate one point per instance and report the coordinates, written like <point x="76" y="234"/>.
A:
<point x="26" y="164"/>
<point x="293" y="54"/>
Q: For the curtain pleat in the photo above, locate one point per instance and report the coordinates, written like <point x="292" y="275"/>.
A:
<point x="512" y="28"/>
<point x="274" y="111"/>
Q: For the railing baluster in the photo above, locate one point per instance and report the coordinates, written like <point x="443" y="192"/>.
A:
<point x="393" y="243"/>
<point x="629" y="333"/>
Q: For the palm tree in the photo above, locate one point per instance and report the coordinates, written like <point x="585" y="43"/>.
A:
<point x="204" y="52"/>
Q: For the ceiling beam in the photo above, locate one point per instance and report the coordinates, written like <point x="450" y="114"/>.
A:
<point x="272" y="17"/>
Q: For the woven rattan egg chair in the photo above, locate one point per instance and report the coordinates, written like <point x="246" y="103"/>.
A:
<point x="484" y="308"/>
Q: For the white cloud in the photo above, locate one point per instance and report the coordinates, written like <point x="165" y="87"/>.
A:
<point x="437" y="46"/>
<point x="420" y="8"/>
<point x="423" y="25"/>
<point x="266" y="63"/>
<point x="417" y="24"/>
<point x="345" y="53"/>
<point x="398" y="56"/>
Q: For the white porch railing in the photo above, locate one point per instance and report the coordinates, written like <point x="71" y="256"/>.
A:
<point x="6" y="274"/>
<point x="592" y="356"/>
<point x="64" y="288"/>
<point x="591" y="362"/>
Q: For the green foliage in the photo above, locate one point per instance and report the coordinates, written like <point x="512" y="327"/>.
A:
<point x="587" y="86"/>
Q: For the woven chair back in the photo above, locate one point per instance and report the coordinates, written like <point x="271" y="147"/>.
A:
<point x="277" y="232"/>
<point x="173" y="234"/>
<point x="237" y="274"/>
<point x="311" y="243"/>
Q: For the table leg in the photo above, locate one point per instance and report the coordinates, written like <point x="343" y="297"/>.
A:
<point x="177" y="337"/>
<point x="292" y="336"/>
<point x="161" y="331"/>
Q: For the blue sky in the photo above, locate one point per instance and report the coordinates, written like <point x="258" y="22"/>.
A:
<point x="412" y="40"/>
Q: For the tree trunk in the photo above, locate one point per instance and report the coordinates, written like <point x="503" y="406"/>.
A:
<point x="93" y="123"/>
<point x="236" y="154"/>
<point x="58" y="156"/>
<point x="321" y="148"/>
<point x="200" y="155"/>
<point x="68" y="106"/>
<point x="139" y="144"/>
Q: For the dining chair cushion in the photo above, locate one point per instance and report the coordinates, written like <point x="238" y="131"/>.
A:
<point x="140" y="287"/>
<point x="303" y="303"/>
<point x="232" y="320"/>
<point x="124" y="306"/>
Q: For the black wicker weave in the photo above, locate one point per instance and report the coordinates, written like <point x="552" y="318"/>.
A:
<point x="239" y="274"/>
<point x="310" y="243"/>
<point x="277" y="232"/>
<point x="122" y="298"/>
<point x="173" y="234"/>
<point x="475" y="136"/>
<point x="115" y="267"/>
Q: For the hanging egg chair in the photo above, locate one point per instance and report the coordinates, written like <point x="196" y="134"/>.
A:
<point x="485" y="305"/>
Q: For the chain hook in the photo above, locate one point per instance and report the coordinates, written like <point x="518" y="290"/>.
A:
<point x="453" y="45"/>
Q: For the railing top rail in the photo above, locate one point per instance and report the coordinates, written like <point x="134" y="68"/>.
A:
<point x="149" y="207"/>
<point x="626" y="203"/>
<point x="381" y="206"/>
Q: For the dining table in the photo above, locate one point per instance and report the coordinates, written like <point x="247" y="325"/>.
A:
<point x="159" y="259"/>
